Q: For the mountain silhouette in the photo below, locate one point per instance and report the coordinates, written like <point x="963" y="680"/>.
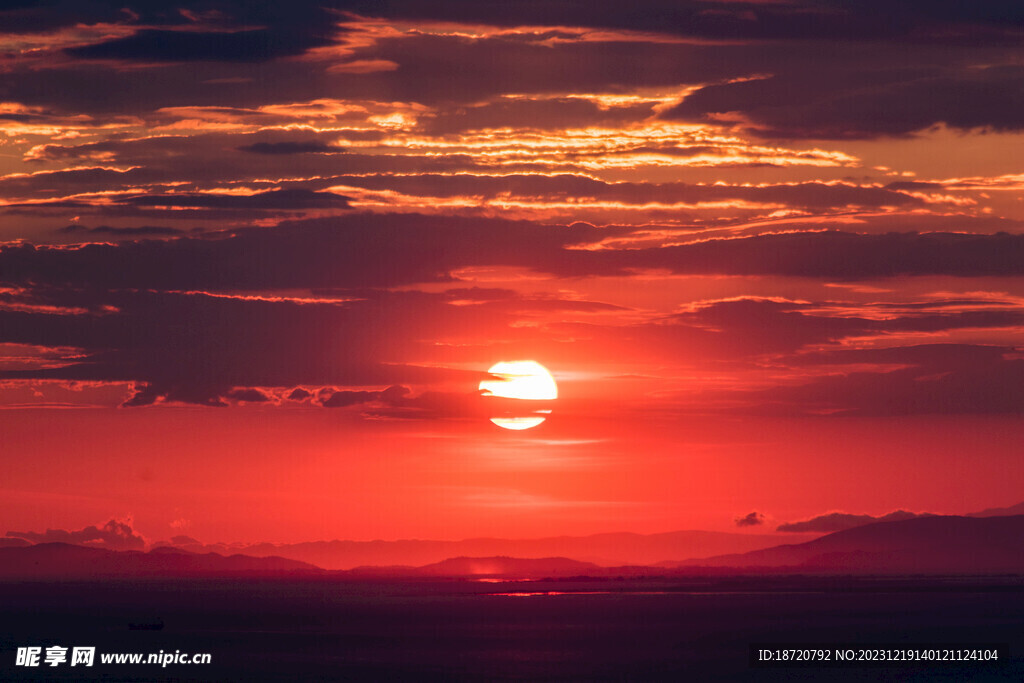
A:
<point x="608" y="549"/>
<point x="1017" y="509"/>
<point x="497" y="567"/>
<point x="923" y="545"/>
<point x="938" y="544"/>
<point x="57" y="560"/>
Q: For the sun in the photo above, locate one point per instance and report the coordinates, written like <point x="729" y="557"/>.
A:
<point x="521" y="379"/>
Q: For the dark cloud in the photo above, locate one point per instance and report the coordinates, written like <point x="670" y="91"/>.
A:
<point x="809" y="194"/>
<point x="824" y="104"/>
<point x="776" y="332"/>
<point x="272" y="199"/>
<point x="311" y="147"/>
<point x="168" y="315"/>
<point x="31" y="16"/>
<point x="801" y="20"/>
<point x="827" y="68"/>
<point x="431" y="69"/>
<point x="435" y="405"/>
<point x="208" y="350"/>
<point x="441" y="70"/>
<point x="200" y="341"/>
<point x="925" y="356"/>
<point x="832" y="255"/>
<point x="838" y="521"/>
<point x="931" y="379"/>
<point x="243" y="43"/>
<point x="541" y="113"/>
<point x="745" y="327"/>
<point x="982" y="388"/>
<point x="341" y="399"/>
<point x="248" y="395"/>
<point x="197" y="348"/>
<point x="752" y="519"/>
<point x="155" y="150"/>
<point x="114" y="535"/>
<point x="164" y="164"/>
<point x="95" y="179"/>
<point x="399" y="402"/>
<point x="363" y="250"/>
<point x="140" y="231"/>
<point x="379" y="250"/>
<point x="253" y="45"/>
<point x="186" y="389"/>
<point x="219" y="31"/>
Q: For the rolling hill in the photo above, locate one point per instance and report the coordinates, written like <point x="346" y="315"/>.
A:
<point x="922" y="545"/>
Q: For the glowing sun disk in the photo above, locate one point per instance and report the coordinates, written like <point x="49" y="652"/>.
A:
<point x="521" y="379"/>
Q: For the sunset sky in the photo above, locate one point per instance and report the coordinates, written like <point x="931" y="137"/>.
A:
<point x="256" y="258"/>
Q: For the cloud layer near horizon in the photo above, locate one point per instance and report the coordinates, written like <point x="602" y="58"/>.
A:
<point x="114" y="535"/>
<point x="840" y="521"/>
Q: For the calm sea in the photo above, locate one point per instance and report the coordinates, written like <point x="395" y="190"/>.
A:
<point x="318" y="630"/>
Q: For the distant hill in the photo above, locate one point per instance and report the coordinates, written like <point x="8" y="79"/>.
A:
<point x="65" y="561"/>
<point x="62" y="560"/>
<point x="922" y="545"/>
<point x="497" y="567"/>
<point x="840" y="521"/>
<point x="611" y="549"/>
<point x="1017" y="509"/>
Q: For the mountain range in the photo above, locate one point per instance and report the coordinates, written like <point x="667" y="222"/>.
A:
<point x="610" y="549"/>
<point x="63" y="560"/>
<point x="923" y="545"/>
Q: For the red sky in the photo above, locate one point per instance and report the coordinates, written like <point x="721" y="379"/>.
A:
<point x="255" y="260"/>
